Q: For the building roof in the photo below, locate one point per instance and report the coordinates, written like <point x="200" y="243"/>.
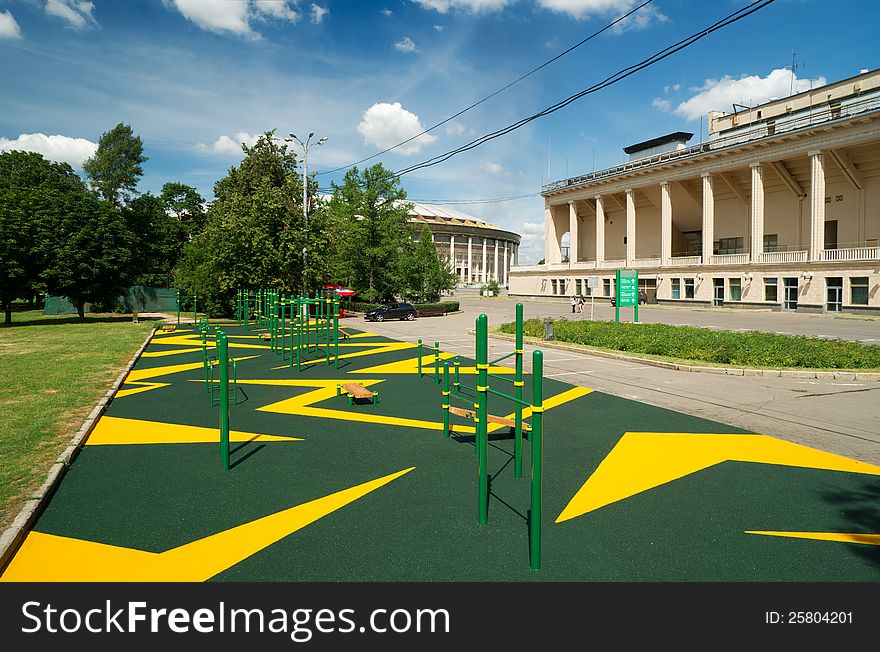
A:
<point x="676" y="137"/>
<point x="433" y="214"/>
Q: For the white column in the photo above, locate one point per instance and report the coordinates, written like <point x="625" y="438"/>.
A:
<point x="665" y="224"/>
<point x="470" y="276"/>
<point x="817" y="205"/>
<point x="483" y="275"/>
<point x="756" y="235"/>
<point x="552" y="251"/>
<point x="452" y="252"/>
<point x="573" y="234"/>
<point x="495" y="266"/>
<point x="600" y="231"/>
<point x="708" y="218"/>
<point x="505" y="265"/>
<point x="630" y="227"/>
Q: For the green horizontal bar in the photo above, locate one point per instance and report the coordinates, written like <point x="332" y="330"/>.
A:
<point x="512" y="398"/>
<point x="503" y="357"/>
<point x="469" y="403"/>
<point x="506" y="380"/>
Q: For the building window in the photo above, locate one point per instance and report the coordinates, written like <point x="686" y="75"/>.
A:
<point x="771" y="242"/>
<point x="730" y="246"/>
<point x="771" y="127"/>
<point x="735" y="289"/>
<point x="606" y="287"/>
<point x="689" y="288"/>
<point x="859" y="290"/>
<point x="577" y="287"/>
<point x="675" y="283"/>
<point x="553" y="285"/>
<point x="770" y="289"/>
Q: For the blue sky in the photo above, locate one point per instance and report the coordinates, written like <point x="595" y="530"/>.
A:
<point x="196" y="77"/>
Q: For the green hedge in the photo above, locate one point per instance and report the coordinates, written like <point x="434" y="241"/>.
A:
<point x="749" y="349"/>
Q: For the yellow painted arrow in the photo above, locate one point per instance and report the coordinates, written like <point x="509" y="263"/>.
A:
<point x="51" y="558"/>
<point x="842" y="537"/>
<point x="644" y="460"/>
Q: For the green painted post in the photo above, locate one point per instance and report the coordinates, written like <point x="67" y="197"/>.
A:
<point x="457" y="383"/>
<point x="223" y="361"/>
<point x="537" y="440"/>
<point x="420" y="357"/>
<point x="299" y="338"/>
<point x="518" y="392"/>
<point x="336" y="331"/>
<point x="617" y="296"/>
<point x="446" y="399"/>
<point x="195" y="303"/>
<point x="437" y="362"/>
<point x="206" y="363"/>
<point x="482" y="421"/>
<point x="177" y="294"/>
<point x="329" y="322"/>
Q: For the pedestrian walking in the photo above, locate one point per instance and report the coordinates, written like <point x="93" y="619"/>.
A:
<point x="573" y="304"/>
<point x="581" y="302"/>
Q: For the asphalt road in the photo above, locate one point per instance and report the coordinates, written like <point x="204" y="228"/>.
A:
<point x="838" y="416"/>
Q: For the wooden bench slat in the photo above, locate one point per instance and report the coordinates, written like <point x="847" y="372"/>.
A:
<point x="492" y="418"/>
<point x="359" y="391"/>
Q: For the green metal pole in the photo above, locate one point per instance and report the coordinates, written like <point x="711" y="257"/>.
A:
<point x="420" y="357"/>
<point x="537" y="440"/>
<point x="336" y="332"/>
<point x="446" y="399"/>
<point x="195" y="304"/>
<point x="482" y="414"/>
<point x="299" y="338"/>
<point x="457" y="383"/>
<point x="437" y="362"/>
<point x="329" y="322"/>
<point x="206" y="363"/>
<point x="223" y="360"/>
<point x="177" y="294"/>
<point x="617" y="296"/>
<point x="518" y="387"/>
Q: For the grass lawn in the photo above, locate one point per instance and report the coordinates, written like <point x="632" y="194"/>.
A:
<point x="53" y="369"/>
<point x="709" y="346"/>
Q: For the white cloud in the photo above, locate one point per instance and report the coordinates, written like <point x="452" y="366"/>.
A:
<point x="405" y="45"/>
<point x="580" y="9"/>
<point x="673" y="88"/>
<point x="226" y="145"/>
<point x="55" y="148"/>
<point x="454" y="128"/>
<point x="493" y="168"/>
<point x="234" y="16"/>
<point x="387" y="12"/>
<point x="439" y="28"/>
<point x="318" y="13"/>
<point x="720" y="94"/>
<point x="531" y="247"/>
<point x="473" y="6"/>
<point x="384" y="125"/>
<point x="8" y="27"/>
<point x="662" y="104"/>
<point x="78" y="13"/>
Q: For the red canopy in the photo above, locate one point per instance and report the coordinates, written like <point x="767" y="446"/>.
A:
<point x="345" y="293"/>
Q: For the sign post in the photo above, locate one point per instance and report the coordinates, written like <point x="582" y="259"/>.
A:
<point x="626" y="292"/>
<point x="593" y="284"/>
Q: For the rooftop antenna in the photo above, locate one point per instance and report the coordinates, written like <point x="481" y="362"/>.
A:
<point x="794" y="68"/>
<point x="548" y="157"/>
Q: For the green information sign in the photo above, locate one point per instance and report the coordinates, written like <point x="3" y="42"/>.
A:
<point x="626" y="292"/>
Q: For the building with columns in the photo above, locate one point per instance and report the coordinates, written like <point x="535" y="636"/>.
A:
<point x="476" y="250"/>
<point x="779" y="209"/>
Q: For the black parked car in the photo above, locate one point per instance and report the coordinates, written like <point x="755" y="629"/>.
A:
<point x="392" y="311"/>
<point x="643" y="298"/>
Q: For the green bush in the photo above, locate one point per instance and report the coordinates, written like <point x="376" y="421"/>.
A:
<point x="748" y="349"/>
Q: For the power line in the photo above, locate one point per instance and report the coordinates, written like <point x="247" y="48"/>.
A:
<point x="500" y="90"/>
<point x="608" y="81"/>
<point x="489" y="200"/>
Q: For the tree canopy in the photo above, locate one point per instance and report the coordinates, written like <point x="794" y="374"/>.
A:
<point x="117" y="165"/>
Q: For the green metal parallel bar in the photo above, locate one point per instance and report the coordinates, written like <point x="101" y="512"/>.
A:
<point x="437" y="362"/>
<point x="223" y="359"/>
<point x="446" y="396"/>
<point x="457" y="383"/>
<point x="504" y="378"/>
<point x="469" y="403"/>
<point x="419" y="349"/>
<point x="503" y="357"/>
<point x="536" y="440"/>
<point x="336" y="332"/>
<point x="508" y="396"/>
<point x="518" y="390"/>
<point x="328" y="305"/>
<point x="482" y="413"/>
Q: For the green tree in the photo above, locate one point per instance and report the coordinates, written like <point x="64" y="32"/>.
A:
<point x="28" y="183"/>
<point x="373" y="232"/>
<point x="156" y="241"/>
<point x="186" y="204"/>
<point x="425" y="275"/>
<point x="115" y="168"/>
<point x="87" y="255"/>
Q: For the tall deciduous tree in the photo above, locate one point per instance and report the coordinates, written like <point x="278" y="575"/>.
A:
<point x="156" y="241"/>
<point x="186" y="204"/>
<point x="375" y="234"/>
<point x="115" y="168"/>
<point x="424" y="274"/>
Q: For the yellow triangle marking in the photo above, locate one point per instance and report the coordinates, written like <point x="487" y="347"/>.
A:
<point x="842" y="537"/>
<point x="117" y="430"/>
<point x="136" y="376"/>
<point x="51" y="558"/>
<point x="644" y="460"/>
<point x="142" y="387"/>
<point x="549" y="403"/>
<point x="373" y="349"/>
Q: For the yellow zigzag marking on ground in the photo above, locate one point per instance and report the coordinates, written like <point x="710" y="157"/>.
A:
<point x="116" y="430"/>
<point x="373" y="349"/>
<point x="136" y="376"/>
<point x="552" y="402"/>
<point x="842" y="537"/>
<point x="644" y="460"/>
<point x="411" y="366"/>
<point x="51" y="558"/>
<point x="194" y="342"/>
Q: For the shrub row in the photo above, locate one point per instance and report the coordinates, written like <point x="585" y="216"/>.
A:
<point x="749" y="349"/>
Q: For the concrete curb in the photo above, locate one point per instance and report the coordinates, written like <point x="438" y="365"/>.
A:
<point x="723" y="371"/>
<point x="14" y="535"/>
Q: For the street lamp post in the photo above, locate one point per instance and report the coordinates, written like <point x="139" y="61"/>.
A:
<point x="305" y="147"/>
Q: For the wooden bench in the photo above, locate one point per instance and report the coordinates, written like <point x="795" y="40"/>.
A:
<point x="356" y="390"/>
<point x="492" y="418"/>
<point x="169" y="328"/>
<point x="266" y="336"/>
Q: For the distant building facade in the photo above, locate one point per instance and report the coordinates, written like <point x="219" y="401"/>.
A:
<point x="780" y="209"/>
<point x="476" y="250"/>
